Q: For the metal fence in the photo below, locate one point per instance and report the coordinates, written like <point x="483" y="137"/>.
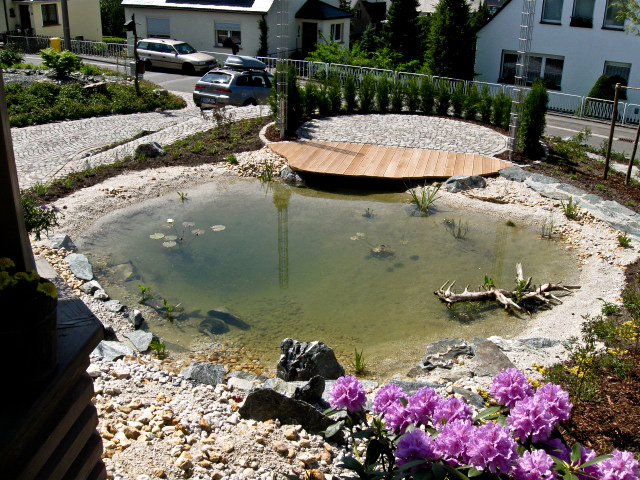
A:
<point x="581" y="106"/>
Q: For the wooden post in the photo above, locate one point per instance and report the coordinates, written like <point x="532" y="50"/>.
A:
<point x="614" y="118"/>
<point x="65" y="25"/>
<point x="633" y="155"/>
<point x="14" y="243"/>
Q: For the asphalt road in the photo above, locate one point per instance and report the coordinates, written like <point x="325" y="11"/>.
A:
<point x="557" y="125"/>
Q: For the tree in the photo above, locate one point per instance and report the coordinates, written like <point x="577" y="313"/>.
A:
<point x="112" y="16"/>
<point x="480" y="17"/>
<point x="629" y="10"/>
<point x="533" y="119"/>
<point x="403" y="30"/>
<point x="263" y="49"/>
<point x="450" y="50"/>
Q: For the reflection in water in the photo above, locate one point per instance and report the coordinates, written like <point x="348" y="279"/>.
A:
<point x="281" y="197"/>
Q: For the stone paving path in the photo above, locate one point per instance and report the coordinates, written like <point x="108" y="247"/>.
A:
<point x="410" y="131"/>
<point x="44" y="152"/>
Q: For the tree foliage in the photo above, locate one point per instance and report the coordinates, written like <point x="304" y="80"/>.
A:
<point x="403" y="30"/>
<point x="450" y="51"/>
<point x="533" y="119"/>
<point x="605" y="87"/>
<point x="112" y="16"/>
<point x="629" y="11"/>
<point x="263" y="49"/>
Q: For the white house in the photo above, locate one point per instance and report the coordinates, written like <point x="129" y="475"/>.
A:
<point x="206" y="24"/>
<point x="573" y="43"/>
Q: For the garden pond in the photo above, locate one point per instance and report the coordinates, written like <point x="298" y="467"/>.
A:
<point x="253" y="263"/>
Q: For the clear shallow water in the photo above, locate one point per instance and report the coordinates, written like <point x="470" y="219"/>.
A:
<point x="300" y="263"/>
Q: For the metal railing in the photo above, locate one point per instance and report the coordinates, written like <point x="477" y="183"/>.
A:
<point x="98" y="49"/>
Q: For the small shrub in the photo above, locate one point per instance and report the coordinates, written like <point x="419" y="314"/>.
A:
<point x="324" y="103"/>
<point x="570" y="208"/>
<point x="334" y="94"/>
<point x="231" y="159"/>
<point x="383" y="89"/>
<point x="397" y="96"/>
<point x="501" y="110"/>
<point x="349" y="94"/>
<point x="510" y="223"/>
<point x="38" y="218"/>
<point x="533" y="120"/>
<point x="310" y="98"/>
<point x="367" y="93"/>
<point x="624" y="240"/>
<point x="91" y="70"/>
<point x="427" y="96"/>
<point x="472" y="104"/>
<point x="11" y="55"/>
<point x="412" y="95"/>
<point x="458" y="99"/>
<point x="62" y="63"/>
<point x="444" y="98"/>
<point x="486" y="103"/>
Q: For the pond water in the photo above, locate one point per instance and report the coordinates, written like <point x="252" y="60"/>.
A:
<point x="354" y="271"/>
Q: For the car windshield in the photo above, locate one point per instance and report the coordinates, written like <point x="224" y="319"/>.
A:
<point x="184" y="48"/>
<point x="217" y="77"/>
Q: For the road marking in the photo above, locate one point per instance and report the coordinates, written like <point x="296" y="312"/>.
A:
<point x="577" y="131"/>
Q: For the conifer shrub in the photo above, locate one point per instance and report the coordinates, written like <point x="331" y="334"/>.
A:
<point x="367" y="93"/>
<point x="486" y="104"/>
<point x="310" y="98"/>
<point x="413" y="95"/>
<point x="472" y="103"/>
<point x="427" y="96"/>
<point x="383" y="91"/>
<point x="501" y="110"/>
<point x="458" y="99"/>
<point x="444" y="99"/>
<point x="397" y="96"/>
<point x="349" y="93"/>
<point x="533" y="119"/>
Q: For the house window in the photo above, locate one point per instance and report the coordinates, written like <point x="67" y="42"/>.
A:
<point x="582" y="13"/>
<point x="158" y="27"/>
<point x="618" y="69"/>
<point x="539" y="66"/>
<point x="226" y="31"/>
<point x="336" y="32"/>
<point x="611" y="16"/>
<point x="552" y="11"/>
<point x="49" y="14"/>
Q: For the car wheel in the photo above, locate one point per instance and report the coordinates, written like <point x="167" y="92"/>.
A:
<point x="148" y="65"/>
<point x="249" y="101"/>
<point x="188" y="69"/>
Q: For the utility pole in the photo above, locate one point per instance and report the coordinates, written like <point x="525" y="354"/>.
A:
<point x="65" y="25"/>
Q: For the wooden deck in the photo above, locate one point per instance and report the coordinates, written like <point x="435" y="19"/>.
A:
<point x="363" y="160"/>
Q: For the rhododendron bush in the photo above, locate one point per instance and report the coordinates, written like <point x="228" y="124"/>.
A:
<point x="426" y="436"/>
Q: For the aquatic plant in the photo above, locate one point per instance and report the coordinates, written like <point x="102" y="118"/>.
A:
<point x="423" y="198"/>
<point x="359" y="363"/>
<point x="547" y="229"/>
<point x="183" y="196"/>
<point x="488" y="282"/>
<point x="368" y="213"/>
<point x="170" y="309"/>
<point x="145" y="294"/>
<point x="457" y="229"/>
<point x="266" y="175"/>
<point x="157" y="348"/>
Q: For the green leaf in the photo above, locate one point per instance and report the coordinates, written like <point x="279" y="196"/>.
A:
<point x="366" y="433"/>
<point x="374" y="450"/>
<point x="576" y="453"/>
<point x="438" y="471"/>
<point x="599" y="458"/>
<point x="569" y="476"/>
<point x="351" y="463"/>
<point x="488" y="412"/>
<point x="403" y="401"/>
<point x="473" y="472"/>
<point x="333" y="429"/>
<point x="410" y="465"/>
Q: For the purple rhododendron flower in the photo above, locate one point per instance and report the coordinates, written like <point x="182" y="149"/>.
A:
<point x="422" y="405"/>
<point x="416" y="445"/>
<point x="510" y="386"/>
<point x="386" y="396"/>
<point x="347" y="392"/>
<point x="534" y="465"/>
<point x="451" y="409"/>
<point x="397" y="417"/>
<point x="452" y="443"/>
<point x="532" y="417"/>
<point x="622" y="466"/>
<point x="492" y="448"/>
<point x="557" y="399"/>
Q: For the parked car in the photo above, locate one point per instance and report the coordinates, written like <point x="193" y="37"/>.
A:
<point x="168" y="53"/>
<point x="242" y="81"/>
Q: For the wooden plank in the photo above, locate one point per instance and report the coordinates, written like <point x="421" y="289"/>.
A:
<point x="370" y="167"/>
<point x="347" y="160"/>
<point x="406" y="165"/>
<point x="458" y="168"/>
<point x="414" y="163"/>
<point x="486" y="165"/>
<point x="336" y="158"/>
<point x="384" y="163"/>
<point x="395" y="165"/>
<point x="363" y="155"/>
<point x="468" y="164"/>
<point x="428" y="163"/>
<point x="449" y="164"/>
<point x="321" y="151"/>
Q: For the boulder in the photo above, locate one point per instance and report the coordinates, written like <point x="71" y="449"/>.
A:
<point x="289" y="176"/>
<point x="90" y="287"/>
<point x="61" y="240"/>
<point x="110" y="350"/>
<point x="459" y="183"/>
<point x="412" y="387"/>
<point x="490" y="358"/>
<point x="206" y="373"/>
<point x="245" y="380"/>
<point x="515" y="174"/>
<point x="305" y="360"/>
<point x="80" y="266"/>
<point x="136" y="318"/>
<point x="443" y="353"/>
<point x="150" y="150"/>
<point x="311" y="392"/>
<point x="114" y="306"/>
<point x="140" y="340"/>
<point x="100" y="294"/>
<point x="473" y="399"/>
<point x="280" y="386"/>
<point x="124" y="272"/>
<point x="265" y="404"/>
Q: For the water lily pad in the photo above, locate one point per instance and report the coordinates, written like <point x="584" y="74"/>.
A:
<point x="168" y="244"/>
<point x="188" y="224"/>
<point x="197" y="231"/>
<point x="157" y="236"/>
<point x="355" y="237"/>
<point x="169" y="220"/>
<point x="171" y="238"/>
<point x="218" y="228"/>
<point x="359" y="234"/>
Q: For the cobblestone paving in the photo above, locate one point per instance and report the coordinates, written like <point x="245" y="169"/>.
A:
<point x="44" y="152"/>
<point x="410" y="131"/>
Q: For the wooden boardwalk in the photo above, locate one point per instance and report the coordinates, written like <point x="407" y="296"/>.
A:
<point x="363" y="160"/>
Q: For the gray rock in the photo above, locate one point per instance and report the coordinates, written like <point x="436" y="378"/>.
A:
<point x="592" y="199"/>
<point x="250" y="376"/>
<point x="490" y="358"/>
<point x="443" y="353"/>
<point x="280" y="386"/>
<point x="515" y="174"/>
<point x="538" y="178"/>
<point x="80" y="266"/>
<point x="459" y="183"/>
<point x="90" y="287"/>
<point x="141" y="340"/>
<point x="110" y="350"/>
<point x="161" y="92"/>
<point x="548" y="190"/>
<point x="540" y="342"/>
<point x="240" y="384"/>
<point x="124" y="272"/>
<point x="571" y="190"/>
<point x="114" y="306"/>
<point x="213" y="326"/>
<point x="150" y="150"/>
<point x="311" y="392"/>
<point x="265" y="404"/>
<point x="304" y="360"/>
<point x="136" y="318"/>
<point x="289" y="176"/>
<point x="61" y="240"/>
<point x="206" y="373"/>
<point x="101" y="295"/>
<point x="412" y="387"/>
<point x="472" y="399"/>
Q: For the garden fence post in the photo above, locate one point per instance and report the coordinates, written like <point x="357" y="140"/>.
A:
<point x="614" y="117"/>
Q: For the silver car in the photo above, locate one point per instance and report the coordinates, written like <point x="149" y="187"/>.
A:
<point x="167" y="53"/>
<point x="243" y="81"/>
